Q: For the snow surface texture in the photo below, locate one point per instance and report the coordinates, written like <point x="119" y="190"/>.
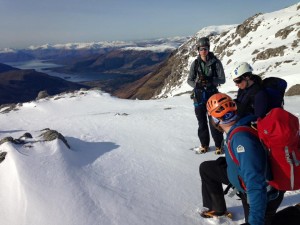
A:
<point x="129" y="162"/>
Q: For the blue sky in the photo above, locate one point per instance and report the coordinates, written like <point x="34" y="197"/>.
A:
<point x="35" y="22"/>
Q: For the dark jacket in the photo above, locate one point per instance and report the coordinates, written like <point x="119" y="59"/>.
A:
<point x="252" y="100"/>
<point x="213" y="71"/>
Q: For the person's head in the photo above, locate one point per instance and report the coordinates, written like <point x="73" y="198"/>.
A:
<point x="223" y="110"/>
<point x="203" y="46"/>
<point x="242" y="75"/>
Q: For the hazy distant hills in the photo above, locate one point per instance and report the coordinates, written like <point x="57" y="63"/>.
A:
<point x="129" y="62"/>
<point x="125" y="61"/>
<point x="6" y="68"/>
<point x="24" y="85"/>
<point x="63" y="53"/>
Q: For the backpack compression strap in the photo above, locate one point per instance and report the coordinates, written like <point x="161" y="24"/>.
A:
<point x="238" y="129"/>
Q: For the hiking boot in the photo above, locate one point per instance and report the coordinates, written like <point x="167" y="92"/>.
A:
<point x="212" y="214"/>
<point x="219" y="151"/>
<point x="202" y="150"/>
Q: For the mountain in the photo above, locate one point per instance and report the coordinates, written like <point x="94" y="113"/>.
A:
<point x="6" y="68"/>
<point x="124" y="62"/>
<point x="270" y="42"/>
<point x="24" y="85"/>
<point x="120" y="61"/>
<point x="67" y="53"/>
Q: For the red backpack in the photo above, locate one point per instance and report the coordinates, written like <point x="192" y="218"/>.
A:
<point x="279" y="133"/>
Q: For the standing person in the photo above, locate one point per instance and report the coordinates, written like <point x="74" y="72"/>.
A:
<point x="249" y="178"/>
<point x="251" y="98"/>
<point x="206" y="73"/>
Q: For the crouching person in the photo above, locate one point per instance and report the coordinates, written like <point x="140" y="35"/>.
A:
<point x="248" y="177"/>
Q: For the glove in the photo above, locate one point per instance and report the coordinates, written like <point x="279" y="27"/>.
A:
<point x="245" y="224"/>
<point x="202" y="80"/>
<point x="192" y="96"/>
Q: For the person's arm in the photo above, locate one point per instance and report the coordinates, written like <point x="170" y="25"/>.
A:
<point x="252" y="159"/>
<point x="220" y="78"/>
<point x="192" y="76"/>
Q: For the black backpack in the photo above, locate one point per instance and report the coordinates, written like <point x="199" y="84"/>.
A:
<point x="275" y="88"/>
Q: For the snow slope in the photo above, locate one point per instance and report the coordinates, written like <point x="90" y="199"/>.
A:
<point x="263" y="32"/>
<point x="129" y="163"/>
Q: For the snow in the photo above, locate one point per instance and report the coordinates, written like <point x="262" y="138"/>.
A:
<point x="7" y="50"/>
<point x="158" y="48"/>
<point x="151" y="45"/>
<point x="129" y="163"/>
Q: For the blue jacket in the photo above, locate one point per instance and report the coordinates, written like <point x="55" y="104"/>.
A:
<point x="251" y="170"/>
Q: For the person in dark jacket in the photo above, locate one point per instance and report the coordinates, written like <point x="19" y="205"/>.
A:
<point x="206" y="73"/>
<point x="249" y="177"/>
<point x="251" y="99"/>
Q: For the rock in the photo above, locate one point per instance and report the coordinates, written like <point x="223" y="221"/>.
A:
<point x="294" y="90"/>
<point x="6" y="139"/>
<point x="2" y="156"/>
<point x="51" y="135"/>
<point x="26" y="135"/>
<point x="12" y="140"/>
<point x="42" y="94"/>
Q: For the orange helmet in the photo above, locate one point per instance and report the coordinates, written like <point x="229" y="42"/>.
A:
<point x="219" y="104"/>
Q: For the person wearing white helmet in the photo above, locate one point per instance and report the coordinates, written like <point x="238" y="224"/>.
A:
<point x="251" y="98"/>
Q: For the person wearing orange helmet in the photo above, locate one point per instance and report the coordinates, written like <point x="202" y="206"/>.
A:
<point x="249" y="178"/>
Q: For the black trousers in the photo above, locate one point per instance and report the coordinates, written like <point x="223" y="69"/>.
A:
<point x="213" y="174"/>
<point x="203" y="131"/>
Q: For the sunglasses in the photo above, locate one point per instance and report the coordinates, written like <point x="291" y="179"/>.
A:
<point x="227" y="118"/>
<point x="238" y="81"/>
<point x="203" y="49"/>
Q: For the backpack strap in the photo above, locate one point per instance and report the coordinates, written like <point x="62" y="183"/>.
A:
<point x="198" y="65"/>
<point x="234" y="131"/>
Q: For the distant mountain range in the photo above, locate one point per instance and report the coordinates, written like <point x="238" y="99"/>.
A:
<point x="128" y="60"/>
<point x="65" y="52"/>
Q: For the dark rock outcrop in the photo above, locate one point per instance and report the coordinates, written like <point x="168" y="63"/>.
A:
<point x="294" y="90"/>
<point x="50" y="135"/>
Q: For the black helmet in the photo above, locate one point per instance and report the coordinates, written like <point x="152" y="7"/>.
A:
<point x="204" y="41"/>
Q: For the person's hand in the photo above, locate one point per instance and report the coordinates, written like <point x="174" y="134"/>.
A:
<point x="204" y="82"/>
<point x="245" y="224"/>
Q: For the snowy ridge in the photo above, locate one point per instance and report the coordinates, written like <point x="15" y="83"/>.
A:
<point x="170" y="43"/>
<point x="7" y="50"/>
<point x="269" y="42"/>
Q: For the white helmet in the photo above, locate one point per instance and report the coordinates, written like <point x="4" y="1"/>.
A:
<point x="240" y="69"/>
